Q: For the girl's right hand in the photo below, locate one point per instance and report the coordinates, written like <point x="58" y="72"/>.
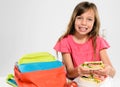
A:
<point x="83" y="71"/>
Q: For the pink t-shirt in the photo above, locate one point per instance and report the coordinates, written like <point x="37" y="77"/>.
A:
<point x="81" y="52"/>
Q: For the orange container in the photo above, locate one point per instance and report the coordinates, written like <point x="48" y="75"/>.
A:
<point x="42" y="78"/>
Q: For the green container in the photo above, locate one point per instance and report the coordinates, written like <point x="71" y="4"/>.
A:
<point x="36" y="57"/>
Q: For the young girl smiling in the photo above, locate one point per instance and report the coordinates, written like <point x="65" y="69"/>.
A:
<point x="81" y="43"/>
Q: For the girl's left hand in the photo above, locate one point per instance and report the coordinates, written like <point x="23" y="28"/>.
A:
<point x="103" y="72"/>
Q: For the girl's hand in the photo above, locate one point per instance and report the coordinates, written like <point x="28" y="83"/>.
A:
<point x="103" y="72"/>
<point x="83" y="71"/>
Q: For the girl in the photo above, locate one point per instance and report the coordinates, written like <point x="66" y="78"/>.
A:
<point x="81" y="42"/>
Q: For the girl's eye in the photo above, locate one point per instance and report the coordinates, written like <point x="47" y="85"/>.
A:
<point x="79" y="17"/>
<point x="90" y="19"/>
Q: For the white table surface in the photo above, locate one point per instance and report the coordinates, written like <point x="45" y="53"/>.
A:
<point x="116" y="81"/>
<point x="3" y="82"/>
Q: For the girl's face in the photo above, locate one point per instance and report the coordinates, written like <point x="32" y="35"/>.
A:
<point x="84" y="23"/>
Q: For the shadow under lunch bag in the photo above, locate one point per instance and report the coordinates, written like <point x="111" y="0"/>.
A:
<point x="39" y="70"/>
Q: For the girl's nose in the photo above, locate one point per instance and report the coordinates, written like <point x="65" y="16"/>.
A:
<point x="84" y="22"/>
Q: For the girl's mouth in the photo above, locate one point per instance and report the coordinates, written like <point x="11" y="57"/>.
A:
<point x="82" y="29"/>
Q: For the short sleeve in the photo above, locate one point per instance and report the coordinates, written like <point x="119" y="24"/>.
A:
<point x="62" y="46"/>
<point x="103" y="44"/>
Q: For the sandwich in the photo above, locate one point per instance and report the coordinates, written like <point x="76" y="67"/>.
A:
<point x="96" y="65"/>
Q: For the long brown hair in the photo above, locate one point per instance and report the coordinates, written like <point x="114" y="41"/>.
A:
<point x="78" y="10"/>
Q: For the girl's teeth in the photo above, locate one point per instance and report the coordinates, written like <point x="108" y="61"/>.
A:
<point x="82" y="29"/>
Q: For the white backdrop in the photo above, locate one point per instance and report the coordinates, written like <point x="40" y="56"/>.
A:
<point x="34" y="25"/>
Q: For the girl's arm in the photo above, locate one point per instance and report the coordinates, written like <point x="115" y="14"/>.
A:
<point x="109" y="69"/>
<point x="71" y="71"/>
